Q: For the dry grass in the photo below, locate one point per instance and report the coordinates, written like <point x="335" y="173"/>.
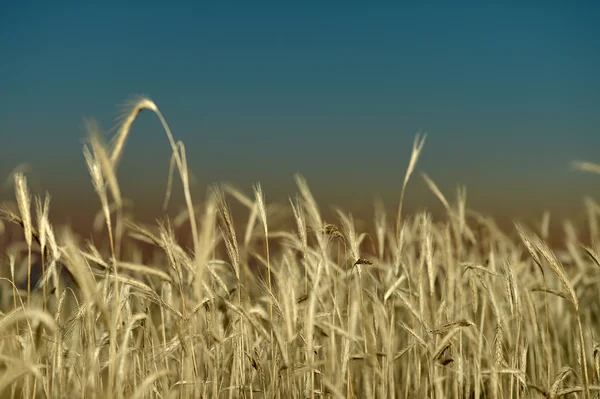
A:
<point x="296" y="307"/>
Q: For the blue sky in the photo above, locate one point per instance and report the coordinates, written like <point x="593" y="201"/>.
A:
<point x="509" y="94"/>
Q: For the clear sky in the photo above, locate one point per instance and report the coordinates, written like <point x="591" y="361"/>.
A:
<point x="509" y="95"/>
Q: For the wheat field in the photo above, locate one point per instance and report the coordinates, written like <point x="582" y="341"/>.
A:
<point x="284" y="304"/>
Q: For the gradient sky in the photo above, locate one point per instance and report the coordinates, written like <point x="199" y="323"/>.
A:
<point x="508" y="94"/>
